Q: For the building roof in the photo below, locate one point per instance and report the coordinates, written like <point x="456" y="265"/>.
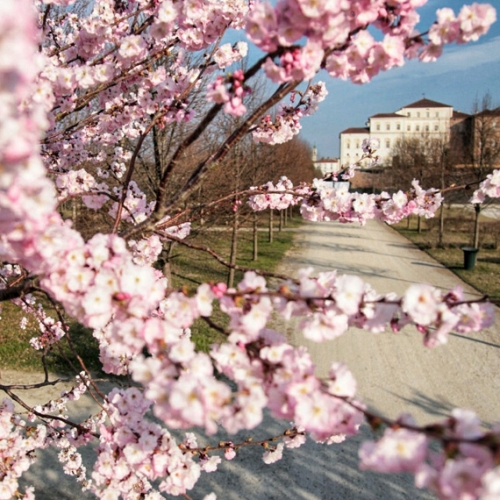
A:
<point x="427" y="103"/>
<point x="489" y="112"/>
<point x="327" y="160"/>
<point x="386" y="115"/>
<point x="459" y="114"/>
<point x="356" y="130"/>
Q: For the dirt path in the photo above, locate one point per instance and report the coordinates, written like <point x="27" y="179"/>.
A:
<point x="395" y="373"/>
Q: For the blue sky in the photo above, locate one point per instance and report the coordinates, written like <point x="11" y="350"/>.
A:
<point x="463" y="73"/>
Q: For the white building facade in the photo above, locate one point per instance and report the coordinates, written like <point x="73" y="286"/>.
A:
<point x="424" y="118"/>
<point x="325" y="165"/>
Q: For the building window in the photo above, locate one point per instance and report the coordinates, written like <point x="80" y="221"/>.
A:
<point x="348" y="145"/>
<point x="417" y="128"/>
<point x="436" y="128"/>
<point x="437" y="114"/>
<point x="398" y="126"/>
<point x="418" y="114"/>
<point x="408" y="128"/>
<point x="409" y="114"/>
<point x="378" y="126"/>
<point x="387" y="143"/>
<point x="388" y="126"/>
<point x="427" y="128"/>
<point x="427" y="114"/>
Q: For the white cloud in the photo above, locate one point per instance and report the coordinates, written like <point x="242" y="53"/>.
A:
<point x="456" y="59"/>
<point x="466" y="57"/>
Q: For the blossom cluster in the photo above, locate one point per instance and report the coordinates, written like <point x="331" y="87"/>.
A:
<point x="324" y="201"/>
<point x="490" y="187"/>
<point x="232" y="98"/>
<point x="472" y="22"/>
<point x="80" y="182"/>
<point x="136" y="207"/>
<point x="330" y="203"/>
<point x="16" y="450"/>
<point x="228" y="54"/>
<point x="27" y="198"/>
<point x="330" y="27"/>
<point x="133" y="452"/>
<point x="276" y="196"/>
<point x="458" y="469"/>
<point x="105" y="63"/>
<point x="286" y="124"/>
<point x="332" y="303"/>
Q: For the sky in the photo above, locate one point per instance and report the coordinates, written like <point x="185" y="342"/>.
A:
<point x="462" y="74"/>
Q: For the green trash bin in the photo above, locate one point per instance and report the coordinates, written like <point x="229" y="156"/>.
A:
<point x="470" y="254"/>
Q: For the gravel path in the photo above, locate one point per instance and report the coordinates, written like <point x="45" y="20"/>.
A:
<point x="395" y="373"/>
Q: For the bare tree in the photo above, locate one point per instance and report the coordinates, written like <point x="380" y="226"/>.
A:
<point x="483" y="148"/>
<point x="425" y="158"/>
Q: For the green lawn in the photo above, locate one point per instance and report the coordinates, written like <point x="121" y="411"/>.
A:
<point x="485" y="277"/>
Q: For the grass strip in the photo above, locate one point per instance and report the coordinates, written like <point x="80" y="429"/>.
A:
<point x="458" y="231"/>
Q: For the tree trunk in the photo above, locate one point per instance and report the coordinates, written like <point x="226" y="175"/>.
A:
<point x="156" y="149"/>
<point x="285" y="217"/>
<point x="477" y="209"/>
<point x="270" y="225"/>
<point x="419" y="224"/>
<point x="167" y="267"/>
<point x="280" y="225"/>
<point x="408" y="221"/>
<point x="234" y="248"/>
<point x="441" y="212"/>
<point x="441" y="226"/>
<point x="255" y="237"/>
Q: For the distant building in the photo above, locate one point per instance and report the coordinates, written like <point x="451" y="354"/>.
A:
<point x="482" y="145"/>
<point x="325" y="165"/>
<point x="423" y="118"/>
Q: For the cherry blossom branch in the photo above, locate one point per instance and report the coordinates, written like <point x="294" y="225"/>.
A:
<point x="87" y="98"/>
<point x="13" y="292"/>
<point x="224" y="445"/>
<point x="130" y="171"/>
<point x="44" y="416"/>
<point x="75" y="352"/>
<point x="38" y="385"/>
